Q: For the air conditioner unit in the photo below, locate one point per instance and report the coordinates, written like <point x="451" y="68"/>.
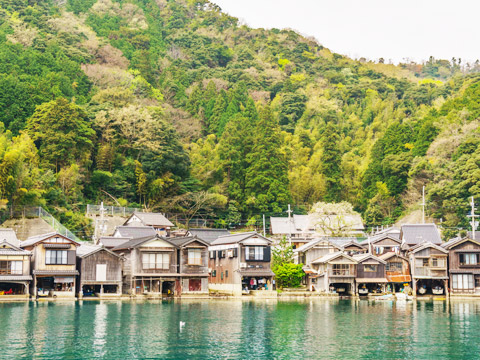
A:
<point x="243" y="265"/>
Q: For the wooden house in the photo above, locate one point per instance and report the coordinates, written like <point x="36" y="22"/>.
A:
<point x="54" y="265"/>
<point x="192" y="258"/>
<point x="157" y="221"/>
<point x="371" y="277"/>
<point x="100" y="272"/>
<point x="240" y="261"/>
<point x="335" y="273"/>
<point x="385" y="243"/>
<point x="428" y="265"/>
<point x="207" y="235"/>
<point x="150" y="267"/>
<point x="397" y="271"/>
<point x="15" y="275"/>
<point x="464" y="265"/>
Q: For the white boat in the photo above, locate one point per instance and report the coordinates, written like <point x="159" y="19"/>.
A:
<point x="422" y="291"/>
<point x="403" y="297"/>
<point x="363" y="291"/>
<point x="437" y="290"/>
<point x="385" y="297"/>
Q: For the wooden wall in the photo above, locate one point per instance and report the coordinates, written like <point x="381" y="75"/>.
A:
<point x="89" y="266"/>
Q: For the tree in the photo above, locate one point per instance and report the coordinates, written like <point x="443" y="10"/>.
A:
<point x="62" y="132"/>
<point x="287" y="274"/>
<point x="334" y="219"/>
<point x="331" y="160"/>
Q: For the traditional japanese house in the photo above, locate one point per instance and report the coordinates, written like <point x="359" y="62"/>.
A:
<point x="371" y="276"/>
<point x="413" y="234"/>
<point x="428" y="265"/>
<point x="335" y="273"/>
<point x="464" y="265"/>
<point x="134" y="232"/>
<point x="157" y="221"/>
<point x="100" y="272"/>
<point x="109" y="242"/>
<point x="54" y="265"/>
<point x="207" y="235"/>
<point x="240" y="261"/>
<point x="385" y="243"/>
<point x="397" y="271"/>
<point x="350" y="247"/>
<point x="192" y="257"/>
<point x="150" y="267"/>
<point x="15" y="275"/>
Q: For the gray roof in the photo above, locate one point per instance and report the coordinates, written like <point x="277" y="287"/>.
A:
<point x="135" y="232"/>
<point x="9" y="236"/>
<point x="32" y="240"/>
<point x="362" y="257"/>
<point x="15" y="277"/>
<point x="208" y="235"/>
<point x="181" y="241"/>
<point x="236" y="238"/>
<point x="299" y="224"/>
<point x="344" y="241"/>
<point x="427" y="244"/>
<point x="88" y="249"/>
<point x="111" y="241"/>
<point x="133" y="243"/>
<point x="417" y="233"/>
<point x="153" y="219"/>
<point x="329" y="257"/>
<point x="477" y="235"/>
<point x="9" y="249"/>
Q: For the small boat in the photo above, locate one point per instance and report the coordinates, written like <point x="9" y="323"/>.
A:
<point x="385" y="297"/>
<point x="422" y="290"/>
<point x="363" y="291"/>
<point x="403" y="297"/>
<point x="340" y="290"/>
<point x="437" y="290"/>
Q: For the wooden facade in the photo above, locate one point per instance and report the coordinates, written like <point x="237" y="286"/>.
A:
<point x="334" y="273"/>
<point x="100" y="273"/>
<point x="384" y="244"/>
<point x="428" y="264"/>
<point x="54" y="265"/>
<point x="464" y="266"/>
<point x="15" y="275"/>
<point x="397" y="271"/>
<point x="371" y="276"/>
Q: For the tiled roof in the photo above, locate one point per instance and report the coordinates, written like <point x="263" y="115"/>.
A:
<point x="236" y="238"/>
<point x="153" y="219"/>
<point x="328" y="257"/>
<point x="135" y="232"/>
<point x="15" y="277"/>
<point x="9" y="249"/>
<point x="88" y="249"/>
<point x="56" y="272"/>
<point x="9" y="236"/>
<point x="133" y="243"/>
<point x="181" y="241"/>
<point x="391" y="254"/>
<point x="37" y="238"/>
<point x="362" y="257"/>
<point x="425" y="245"/>
<point x="417" y="233"/>
<point x="111" y="242"/>
<point x="208" y="235"/>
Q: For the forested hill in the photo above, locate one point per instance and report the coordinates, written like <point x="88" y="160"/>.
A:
<point x="175" y="106"/>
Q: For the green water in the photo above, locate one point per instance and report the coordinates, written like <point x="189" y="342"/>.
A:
<point x="238" y="329"/>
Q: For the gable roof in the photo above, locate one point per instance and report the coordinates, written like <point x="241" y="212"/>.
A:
<point x="88" y="249"/>
<point x="133" y="243"/>
<point x="151" y="219"/>
<point x="329" y="257"/>
<point x="7" y="248"/>
<point x="298" y="224"/>
<point x="9" y="236"/>
<point x="316" y="241"/>
<point x="425" y="245"/>
<point x="362" y="257"/>
<point x="457" y="241"/>
<point x="134" y="232"/>
<point x="208" y="235"/>
<point x="413" y="234"/>
<point x="394" y="237"/>
<point x="390" y="254"/>
<point x="42" y="237"/>
<point x="183" y="241"/>
<point x="111" y="241"/>
<point x="237" y="238"/>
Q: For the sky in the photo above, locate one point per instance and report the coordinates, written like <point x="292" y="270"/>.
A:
<point x="392" y="29"/>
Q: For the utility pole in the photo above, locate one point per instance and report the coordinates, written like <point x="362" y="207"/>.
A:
<point x="473" y="216"/>
<point x="423" y="205"/>
<point x="289" y="211"/>
<point x="99" y="228"/>
<point x="264" y="225"/>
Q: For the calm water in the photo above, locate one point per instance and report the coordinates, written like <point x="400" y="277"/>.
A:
<point x="241" y="329"/>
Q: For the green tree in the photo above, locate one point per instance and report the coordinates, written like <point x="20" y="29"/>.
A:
<point x="331" y="160"/>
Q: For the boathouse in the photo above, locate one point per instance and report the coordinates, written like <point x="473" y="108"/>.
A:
<point x="334" y="273"/>
<point x="371" y="277"/>
<point x="397" y="271"/>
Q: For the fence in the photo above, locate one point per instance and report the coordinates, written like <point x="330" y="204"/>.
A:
<point x="111" y="210"/>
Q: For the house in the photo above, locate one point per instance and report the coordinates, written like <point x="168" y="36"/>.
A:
<point x="54" y="265"/>
<point x="100" y="272"/>
<point x="397" y="271"/>
<point x="428" y="265"/>
<point x="240" y="261"/>
<point x="109" y="242"/>
<point x="371" y="276"/>
<point x="156" y="220"/>
<point x="334" y="273"/>
<point x="350" y="246"/>
<point x="15" y="275"/>
<point x="192" y="264"/>
<point x="150" y="267"/>
<point x="463" y="265"/>
<point x="385" y="242"/>
<point x="208" y="235"/>
<point x="414" y="234"/>
<point x="134" y="232"/>
<point x="298" y="227"/>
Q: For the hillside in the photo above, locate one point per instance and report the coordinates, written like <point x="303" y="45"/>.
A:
<point x="175" y="106"/>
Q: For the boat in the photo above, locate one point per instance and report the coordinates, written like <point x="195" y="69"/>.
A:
<point x="437" y="290"/>
<point x="385" y="297"/>
<point x="363" y="291"/>
<point x="403" y="297"/>
<point x="422" y="290"/>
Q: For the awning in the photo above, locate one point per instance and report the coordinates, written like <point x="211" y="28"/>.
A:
<point x="55" y="272"/>
<point x="62" y="280"/>
<point x="399" y="278"/>
<point x="57" y="246"/>
<point x="308" y="270"/>
<point x="16" y="278"/>
<point x="371" y="280"/>
<point x="257" y="273"/>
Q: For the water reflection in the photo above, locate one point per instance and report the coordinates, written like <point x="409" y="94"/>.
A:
<point x="311" y="328"/>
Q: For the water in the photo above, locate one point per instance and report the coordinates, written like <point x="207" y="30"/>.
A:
<point x="232" y="329"/>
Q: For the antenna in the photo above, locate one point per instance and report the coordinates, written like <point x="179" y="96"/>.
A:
<point x="473" y="223"/>
<point x="423" y="205"/>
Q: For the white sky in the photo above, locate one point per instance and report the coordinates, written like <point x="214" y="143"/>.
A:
<point x="392" y="29"/>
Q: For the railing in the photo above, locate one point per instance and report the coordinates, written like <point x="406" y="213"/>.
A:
<point x="111" y="210"/>
<point x="341" y="272"/>
<point x="11" y="272"/>
<point x="55" y="224"/>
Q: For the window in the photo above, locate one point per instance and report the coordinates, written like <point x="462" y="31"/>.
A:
<point x="253" y="253"/>
<point x="369" y="268"/>
<point x="156" y="261"/>
<point x="56" y="257"/>
<point x="341" y="269"/>
<point x="194" y="256"/>
<point x="462" y="282"/>
<point x="468" y="259"/>
<point x="226" y="273"/>
<point x="11" y="267"/>
<point x="394" y="266"/>
<point x="438" y="262"/>
<point x="425" y="262"/>
<point x="214" y="273"/>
